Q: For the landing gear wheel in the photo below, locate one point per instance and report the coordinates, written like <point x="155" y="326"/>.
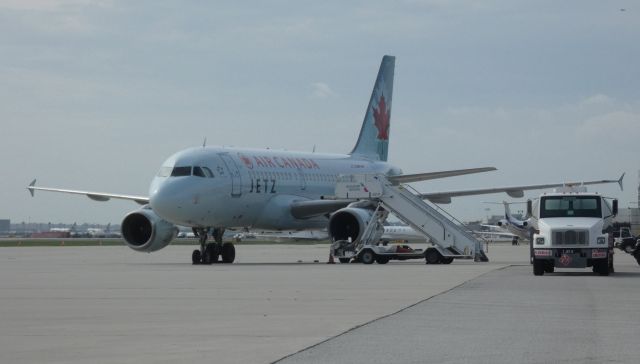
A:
<point x="344" y="260"/>
<point x="367" y="256"/>
<point x="228" y="252"/>
<point x="447" y="260"/>
<point x="201" y="257"/>
<point x="196" y="257"/>
<point x="432" y="256"/>
<point x="538" y="267"/>
<point x="382" y="260"/>
<point x="212" y="252"/>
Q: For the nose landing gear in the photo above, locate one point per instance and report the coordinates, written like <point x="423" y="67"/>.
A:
<point x="211" y="252"/>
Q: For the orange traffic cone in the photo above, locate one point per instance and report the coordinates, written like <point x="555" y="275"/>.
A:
<point x="331" y="259"/>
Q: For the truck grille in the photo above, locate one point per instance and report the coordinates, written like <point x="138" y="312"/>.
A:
<point x="570" y="237"/>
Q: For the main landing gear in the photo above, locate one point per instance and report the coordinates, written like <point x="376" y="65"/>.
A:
<point x="212" y="252"/>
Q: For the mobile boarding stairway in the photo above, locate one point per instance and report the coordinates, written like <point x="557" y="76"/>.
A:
<point x="450" y="240"/>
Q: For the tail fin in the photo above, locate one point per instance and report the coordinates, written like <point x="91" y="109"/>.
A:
<point x="373" y="141"/>
<point x="507" y="210"/>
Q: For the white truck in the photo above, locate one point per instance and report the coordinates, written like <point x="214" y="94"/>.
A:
<point x="570" y="230"/>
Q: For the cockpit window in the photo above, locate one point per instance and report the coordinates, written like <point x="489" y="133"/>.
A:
<point x="207" y="172"/>
<point x="181" y="171"/>
<point x="197" y="171"/>
<point x="202" y="172"/>
<point x="165" y="171"/>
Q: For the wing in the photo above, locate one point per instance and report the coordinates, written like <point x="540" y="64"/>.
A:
<point x="96" y="196"/>
<point x="513" y="191"/>
<point x="310" y="208"/>
<point x="407" y="178"/>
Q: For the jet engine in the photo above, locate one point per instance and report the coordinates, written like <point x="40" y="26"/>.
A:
<point x="349" y="223"/>
<point x="144" y="231"/>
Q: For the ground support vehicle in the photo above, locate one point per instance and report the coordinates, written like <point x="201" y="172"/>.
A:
<point x="571" y="227"/>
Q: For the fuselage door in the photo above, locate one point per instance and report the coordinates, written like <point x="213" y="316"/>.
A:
<point x="234" y="172"/>
<point x="303" y="181"/>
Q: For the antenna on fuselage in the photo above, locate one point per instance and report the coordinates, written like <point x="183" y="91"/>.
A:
<point x="204" y="143"/>
<point x="314" y="149"/>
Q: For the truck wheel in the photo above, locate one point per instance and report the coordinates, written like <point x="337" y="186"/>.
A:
<point x="538" y="267"/>
<point x="344" y="260"/>
<point x="432" y="256"/>
<point x="636" y="255"/>
<point x="448" y="260"/>
<point x="602" y="267"/>
<point x="611" y="270"/>
<point x="548" y="267"/>
<point x="382" y="260"/>
<point x="368" y="256"/>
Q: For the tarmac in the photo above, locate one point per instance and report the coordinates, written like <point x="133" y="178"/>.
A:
<point x="113" y="305"/>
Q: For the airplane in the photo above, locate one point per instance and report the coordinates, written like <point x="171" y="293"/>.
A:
<point x="95" y="232"/>
<point x="391" y="233"/>
<point x="401" y="233"/>
<point x="213" y="188"/>
<point x="519" y="228"/>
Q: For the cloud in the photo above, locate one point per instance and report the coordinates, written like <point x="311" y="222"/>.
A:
<point x="321" y="90"/>
<point x="47" y="5"/>
<point x="614" y="127"/>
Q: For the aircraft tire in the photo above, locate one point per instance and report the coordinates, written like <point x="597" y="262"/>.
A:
<point x="367" y="256"/>
<point x="228" y="252"/>
<point x="212" y="252"/>
<point x="196" y="257"/>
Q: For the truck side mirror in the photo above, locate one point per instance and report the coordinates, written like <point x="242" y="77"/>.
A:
<point x="529" y="208"/>
<point x="614" y="207"/>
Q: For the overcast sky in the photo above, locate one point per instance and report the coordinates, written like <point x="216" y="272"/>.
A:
<point x="96" y="94"/>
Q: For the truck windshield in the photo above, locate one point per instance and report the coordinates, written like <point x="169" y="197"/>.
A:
<point x="570" y="206"/>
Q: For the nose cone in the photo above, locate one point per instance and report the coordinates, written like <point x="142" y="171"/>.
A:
<point x="167" y="198"/>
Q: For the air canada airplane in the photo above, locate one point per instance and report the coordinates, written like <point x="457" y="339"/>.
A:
<point x="211" y="189"/>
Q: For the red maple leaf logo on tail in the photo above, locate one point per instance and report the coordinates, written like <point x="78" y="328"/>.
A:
<point x="381" y="117"/>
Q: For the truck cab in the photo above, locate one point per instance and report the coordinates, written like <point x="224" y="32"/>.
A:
<point x="571" y="231"/>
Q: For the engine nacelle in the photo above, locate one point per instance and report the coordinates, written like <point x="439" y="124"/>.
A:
<point x="349" y="223"/>
<point x="144" y="231"/>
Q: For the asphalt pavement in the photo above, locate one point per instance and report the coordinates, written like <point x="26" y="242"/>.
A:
<point x="505" y="316"/>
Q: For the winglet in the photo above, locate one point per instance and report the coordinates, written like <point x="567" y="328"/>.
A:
<point x="30" y="188"/>
<point x="620" y="181"/>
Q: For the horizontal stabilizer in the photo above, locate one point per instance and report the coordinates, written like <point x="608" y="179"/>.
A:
<point x="408" y="178"/>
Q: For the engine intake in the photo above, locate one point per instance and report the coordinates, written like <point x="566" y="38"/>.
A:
<point x="348" y="223"/>
<point x="144" y="231"/>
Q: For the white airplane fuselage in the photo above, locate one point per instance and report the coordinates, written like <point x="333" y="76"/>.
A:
<point x="249" y="187"/>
